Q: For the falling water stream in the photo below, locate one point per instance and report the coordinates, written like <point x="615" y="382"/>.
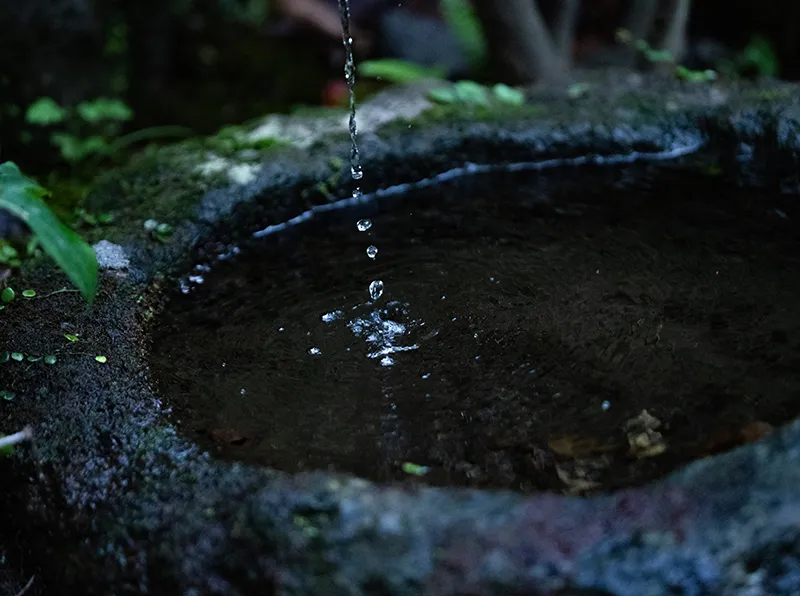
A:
<point x="356" y="171"/>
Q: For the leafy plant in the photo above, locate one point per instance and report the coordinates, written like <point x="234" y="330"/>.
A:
<point x="92" y="128"/>
<point x="656" y="56"/>
<point x="25" y="199"/>
<point x="470" y="93"/>
<point x="758" y="57"/>
<point x="87" y="129"/>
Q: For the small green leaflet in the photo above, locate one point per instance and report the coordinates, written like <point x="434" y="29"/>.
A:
<point x="398" y="71"/>
<point x="414" y="469"/>
<point x="24" y="198"/>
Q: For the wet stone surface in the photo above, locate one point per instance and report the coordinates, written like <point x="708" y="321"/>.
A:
<point x="576" y="330"/>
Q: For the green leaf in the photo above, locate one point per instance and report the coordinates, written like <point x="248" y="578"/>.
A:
<point x="414" y="469"/>
<point x="443" y="95"/>
<point x="509" y="95"/>
<point x="8" y="295"/>
<point x="760" y="54"/>
<point x="17" y="356"/>
<point x="74" y="149"/>
<point x="24" y="198"/>
<point x="103" y="108"/>
<point x="101" y="359"/>
<point x="578" y="90"/>
<point x="45" y="111"/>
<point x="29" y="293"/>
<point x="398" y="71"/>
<point x="472" y="93"/>
<point x="70" y="337"/>
<point x="466" y="27"/>
<point x="50" y="359"/>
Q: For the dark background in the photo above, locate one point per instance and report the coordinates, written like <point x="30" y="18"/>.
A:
<point x="207" y="63"/>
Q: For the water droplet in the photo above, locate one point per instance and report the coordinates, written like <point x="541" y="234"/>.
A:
<point x="356" y="172"/>
<point x="281" y="329"/>
<point x="372" y="252"/>
<point x="605" y="405"/>
<point x="386" y="361"/>
<point x="330" y="317"/>
<point x="363" y="225"/>
<point x="357" y="194"/>
<point x="243" y="391"/>
<point x="376" y="289"/>
<point x="426" y="376"/>
<point x="314" y="351"/>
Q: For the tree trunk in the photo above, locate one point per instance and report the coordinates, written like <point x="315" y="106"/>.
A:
<point x="521" y="49"/>
<point x="674" y="39"/>
<point x="640" y="23"/>
<point x="565" y="30"/>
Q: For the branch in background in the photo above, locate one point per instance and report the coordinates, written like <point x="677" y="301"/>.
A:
<point x="641" y="21"/>
<point x="565" y="30"/>
<point x="521" y="48"/>
<point x="674" y="39"/>
<point x="11" y="440"/>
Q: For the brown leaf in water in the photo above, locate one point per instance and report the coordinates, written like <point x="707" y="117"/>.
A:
<point x="575" y="446"/>
<point x="755" y="431"/>
<point x="643" y="439"/>
<point x="582" y="475"/>
<point x="730" y="438"/>
<point x="229" y="436"/>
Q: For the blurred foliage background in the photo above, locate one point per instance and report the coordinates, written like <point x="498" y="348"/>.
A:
<point x="79" y="77"/>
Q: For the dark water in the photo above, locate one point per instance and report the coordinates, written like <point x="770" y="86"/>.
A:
<point x="528" y="321"/>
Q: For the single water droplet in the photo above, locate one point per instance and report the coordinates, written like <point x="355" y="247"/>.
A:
<point x="357" y="194"/>
<point x="372" y="252"/>
<point x="605" y="405"/>
<point x="357" y="173"/>
<point x="376" y="289"/>
<point x="243" y="391"/>
<point x="314" y="351"/>
<point x="363" y="225"/>
<point x="426" y="376"/>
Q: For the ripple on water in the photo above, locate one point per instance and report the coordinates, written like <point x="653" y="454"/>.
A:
<point x="528" y="321"/>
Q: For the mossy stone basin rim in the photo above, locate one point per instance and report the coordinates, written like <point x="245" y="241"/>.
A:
<point x="110" y="499"/>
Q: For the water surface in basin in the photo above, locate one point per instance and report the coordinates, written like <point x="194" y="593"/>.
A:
<point x="578" y="329"/>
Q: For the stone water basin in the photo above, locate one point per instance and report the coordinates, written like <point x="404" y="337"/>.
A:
<point x="580" y="328"/>
<point x="653" y="301"/>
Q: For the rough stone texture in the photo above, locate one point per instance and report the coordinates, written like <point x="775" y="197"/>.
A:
<point x="110" y="500"/>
